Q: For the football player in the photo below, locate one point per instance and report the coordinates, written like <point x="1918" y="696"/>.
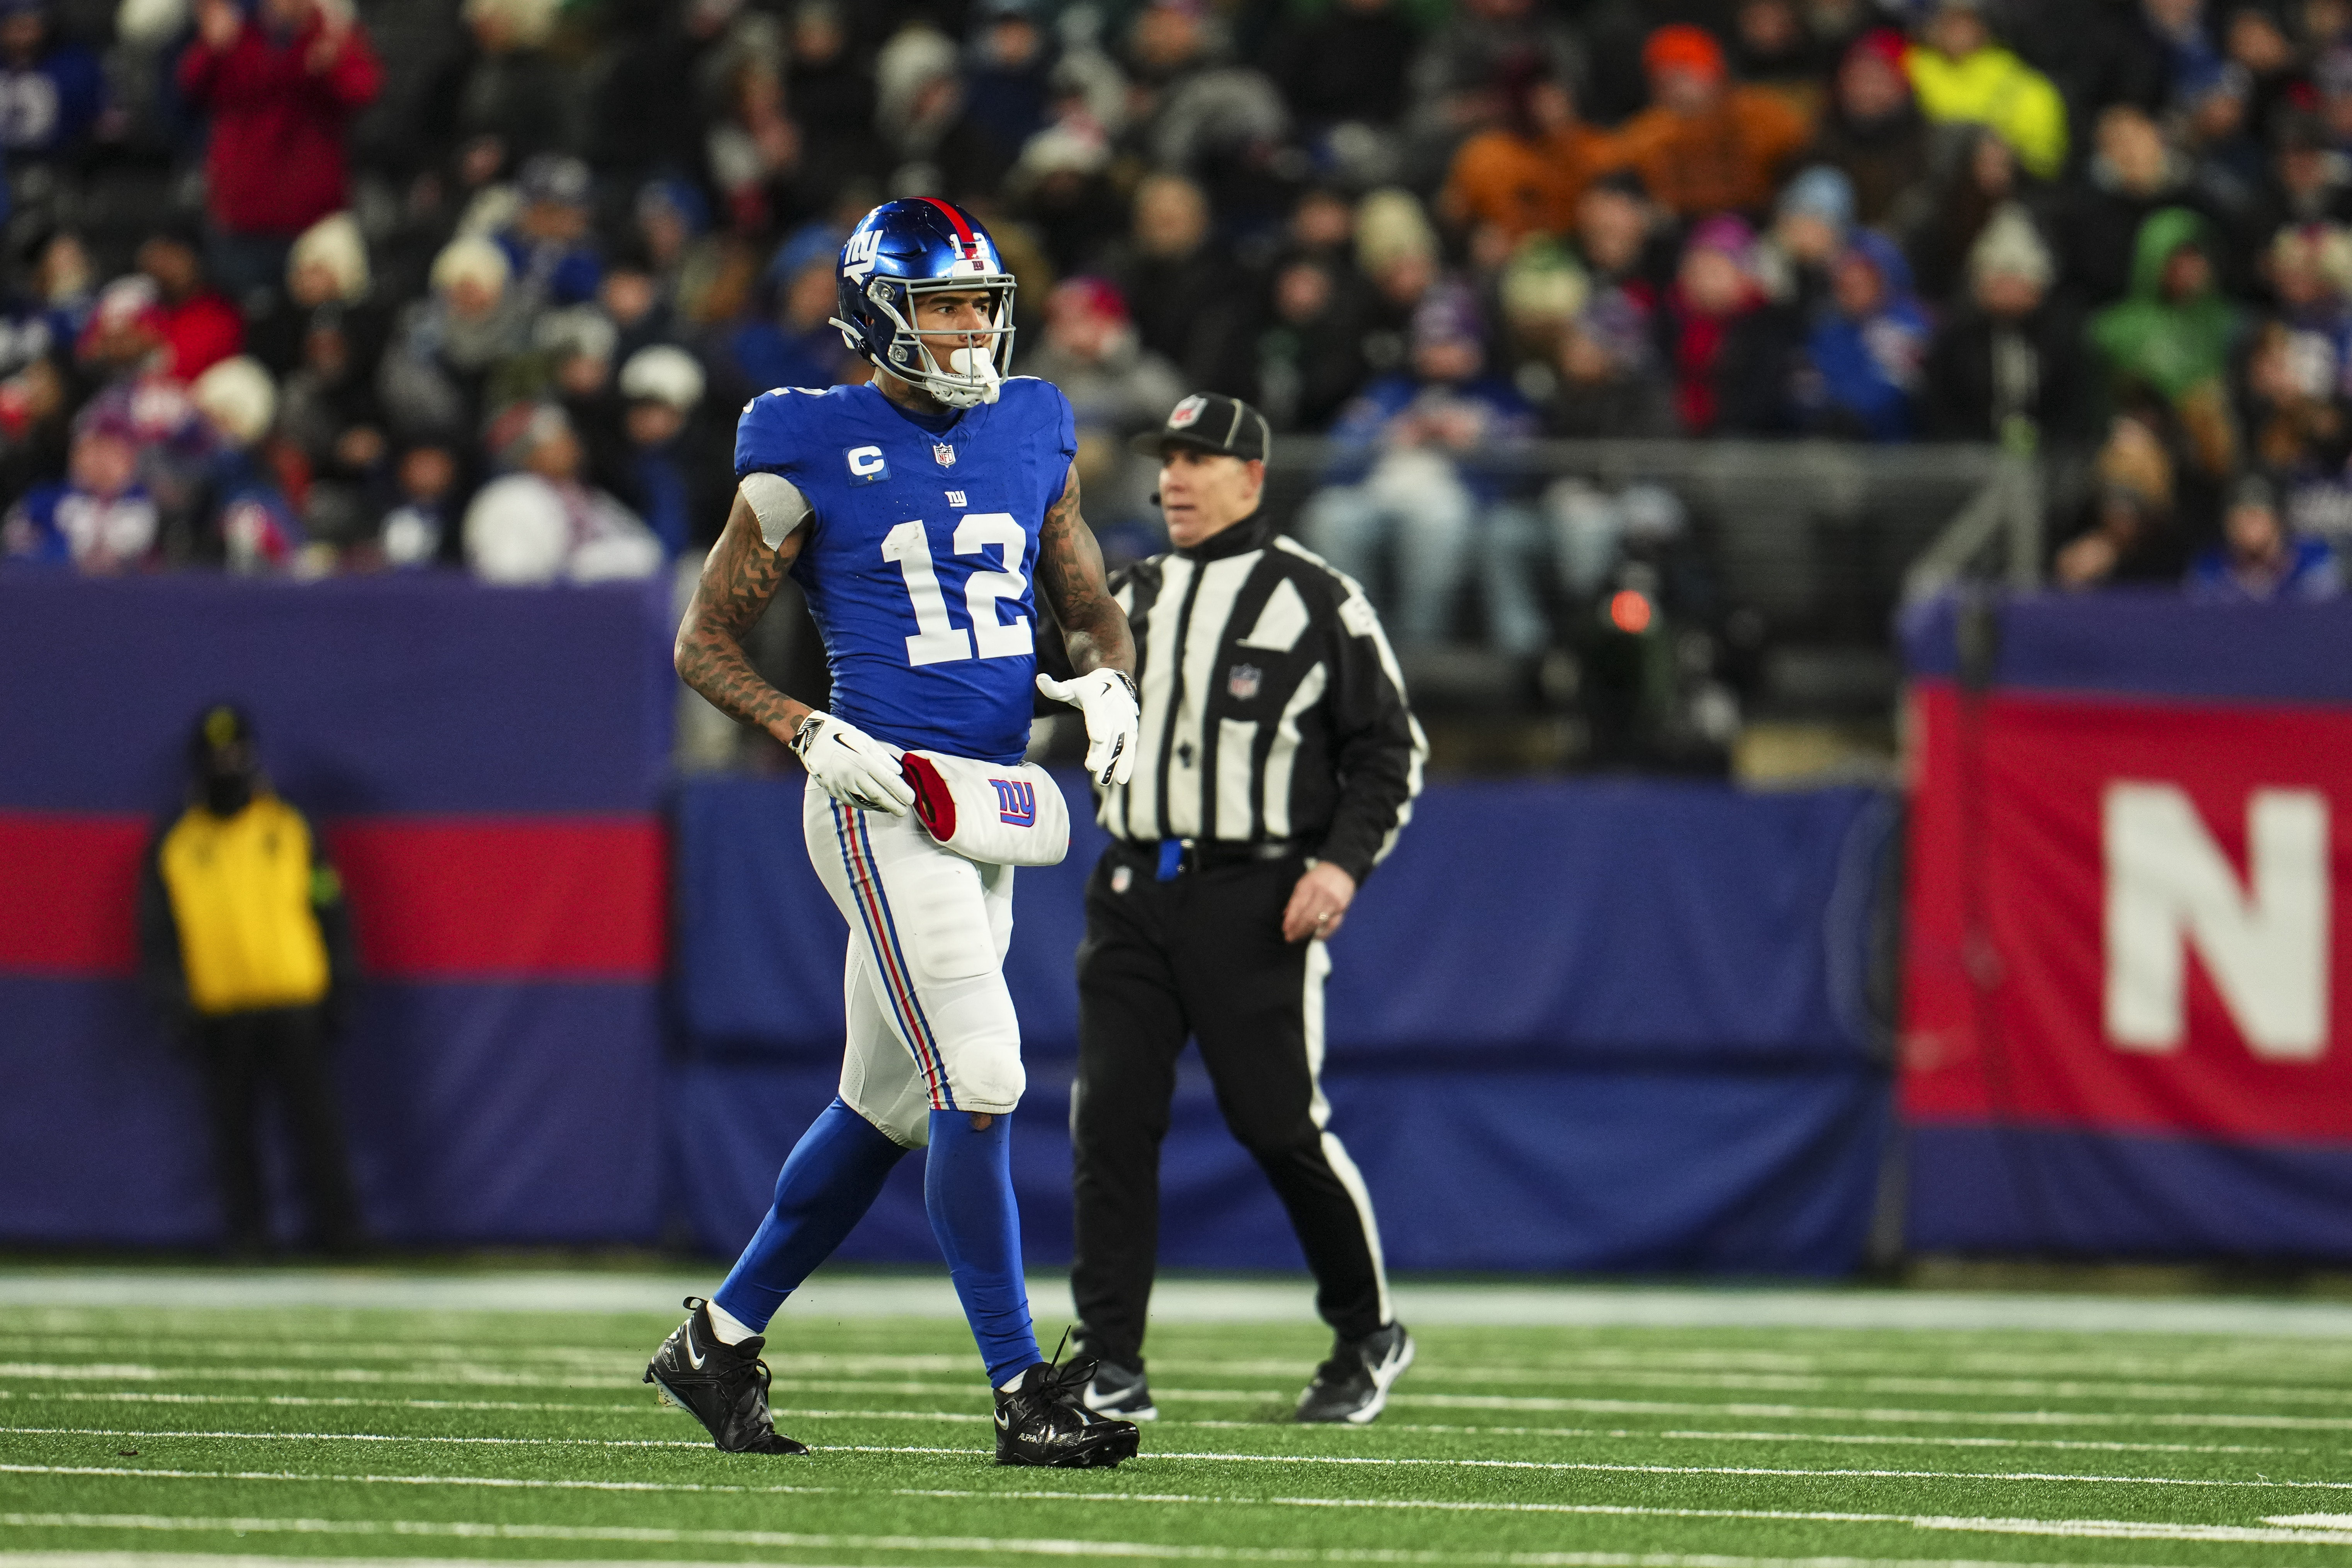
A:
<point x="920" y="514"/>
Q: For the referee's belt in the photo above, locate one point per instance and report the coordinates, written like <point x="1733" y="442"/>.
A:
<point x="1172" y="858"/>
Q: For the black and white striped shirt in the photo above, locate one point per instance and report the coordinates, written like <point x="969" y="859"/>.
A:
<point x="1272" y="705"/>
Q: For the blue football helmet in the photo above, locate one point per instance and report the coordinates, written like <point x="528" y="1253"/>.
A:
<point x="901" y="251"/>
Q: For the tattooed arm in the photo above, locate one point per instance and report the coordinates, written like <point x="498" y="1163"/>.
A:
<point x="738" y="580"/>
<point x="1070" y="569"/>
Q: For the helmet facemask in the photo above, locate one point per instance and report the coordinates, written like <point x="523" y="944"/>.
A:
<point x="974" y="370"/>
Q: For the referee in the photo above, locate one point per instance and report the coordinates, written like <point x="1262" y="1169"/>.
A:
<point x="1277" y="764"/>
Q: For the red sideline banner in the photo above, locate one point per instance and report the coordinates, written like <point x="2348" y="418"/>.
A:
<point x="2132" y="916"/>
<point x="432" y="898"/>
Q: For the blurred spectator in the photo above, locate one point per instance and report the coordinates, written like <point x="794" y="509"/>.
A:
<point x="935" y="146"/>
<point x="1117" y="388"/>
<point x="1008" y="71"/>
<point x="2299" y="430"/>
<point x="1412" y="472"/>
<point x="245" y="947"/>
<point x="2132" y="532"/>
<point x="549" y="246"/>
<point x="1310" y="348"/>
<point x="101" y="519"/>
<point x="1397" y="252"/>
<point x="325" y="340"/>
<point x="328" y="282"/>
<point x="1607" y="382"/>
<point x="1810" y="226"/>
<point x="797" y="345"/>
<point x="1348" y="62"/>
<point x="2258" y="559"/>
<point x="35" y="412"/>
<point x="1864" y="353"/>
<point x="1735" y="350"/>
<point x="280" y="85"/>
<point x="198" y="325"/>
<point x="2173" y="336"/>
<point x="45" y="313"/>
<point x="678" y="251"/>
<point x="669" y="479"/>
<point x="255" y="524"/>
<point x="1707" y="144"/>
<point x="445" y="346"/>
<point x="1525" y="176"/>
<point x="1620" y="241"/>
<point x="2007" y="366"/>
<point x="1961" y="74"/>
<point x="1772" y="48"/>
<point x="1983" y="177"/>
<point x="753" y="150"/>
<point x="832" y="99"/>
<point x="52" y="90"/>
<point x="1873" y="132"/>
<point x="2135" y="172"/>
<point x="428" y="491"/>
<point x="1187" y="296"/>
<point x="512" y="95"/>
<point x="2309" y="180"/>
<point x="539" y="522"/>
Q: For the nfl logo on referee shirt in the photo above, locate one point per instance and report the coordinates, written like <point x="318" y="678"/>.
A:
<point x="1243" y="681"/>
<point x="1016" y="802"/>
<point x="944" y="452"/>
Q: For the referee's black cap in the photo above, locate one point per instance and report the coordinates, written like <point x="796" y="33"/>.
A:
<point x="1210" y="422"/>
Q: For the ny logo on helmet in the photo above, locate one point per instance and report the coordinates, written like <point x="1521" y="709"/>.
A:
<point x="858" y="257"/>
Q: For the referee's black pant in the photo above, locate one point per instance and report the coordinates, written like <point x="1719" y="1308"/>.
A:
<point x="1202" y="954"/>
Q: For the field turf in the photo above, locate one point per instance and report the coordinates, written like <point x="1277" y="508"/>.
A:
<point x="277" y="1431"/>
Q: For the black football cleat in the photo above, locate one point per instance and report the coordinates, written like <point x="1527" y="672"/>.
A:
<point x="1045" y="1421"/>
<point x="725" y="1387"/>
<point x="1354" y="1384"/>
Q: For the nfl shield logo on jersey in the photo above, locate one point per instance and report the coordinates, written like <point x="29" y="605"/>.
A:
<point x="944" y="452"/>
<point x="1243" y="681"/>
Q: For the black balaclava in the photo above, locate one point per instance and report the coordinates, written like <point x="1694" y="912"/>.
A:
<point x="221" y="751"/>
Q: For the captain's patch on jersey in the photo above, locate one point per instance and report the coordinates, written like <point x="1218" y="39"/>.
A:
<point x="867" y="465"/>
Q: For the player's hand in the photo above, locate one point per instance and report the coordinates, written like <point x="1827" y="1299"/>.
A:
<point x="1114" y="719"/>
<point x="1319" y="903"/>
<point x="852" y="766"/>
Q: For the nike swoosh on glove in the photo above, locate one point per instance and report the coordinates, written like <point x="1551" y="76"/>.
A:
<point x="852" y="766"/>
<point x="1114" y="719"/>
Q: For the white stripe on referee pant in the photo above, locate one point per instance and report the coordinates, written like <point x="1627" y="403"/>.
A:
<point x="1310" y="1012"/>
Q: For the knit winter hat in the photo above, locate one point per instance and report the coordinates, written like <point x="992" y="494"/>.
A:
<point x="1824" y="191"/>
<point x="2009" y="244"/>
<point x="1679" y="45"/>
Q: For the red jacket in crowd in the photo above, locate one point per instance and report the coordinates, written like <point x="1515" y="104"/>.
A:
<point x="279" y="111"/>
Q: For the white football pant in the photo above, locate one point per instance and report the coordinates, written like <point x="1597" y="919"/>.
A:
<point x="931" y="1026"/>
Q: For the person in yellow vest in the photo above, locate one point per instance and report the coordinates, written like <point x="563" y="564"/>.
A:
<point x="246" y="943"/>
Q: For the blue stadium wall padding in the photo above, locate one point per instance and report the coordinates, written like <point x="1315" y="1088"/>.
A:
<point x="1768" y="1172"/>
<point x="2010" y="1188"/>
<point x="398" y="693"/>
<point x="476" y="1114"/>
<point x="1639" y="924"/>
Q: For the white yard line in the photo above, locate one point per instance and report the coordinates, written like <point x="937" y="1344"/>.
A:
<point x="859" y="1297"/>
<point x="1078" y="1547"/>
<point x="1385" y="1462"/>
<point x="639" y="1407"/>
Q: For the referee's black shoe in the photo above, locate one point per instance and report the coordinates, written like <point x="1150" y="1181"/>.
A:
<point x="1353" y="1384"/>
<point x="1044" y="1421"/>
<point x="725" y="1387"/>
<point x="1118" y="1391"/>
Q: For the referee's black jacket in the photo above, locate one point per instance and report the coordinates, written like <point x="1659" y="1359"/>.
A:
<point x="1273" y="710"/>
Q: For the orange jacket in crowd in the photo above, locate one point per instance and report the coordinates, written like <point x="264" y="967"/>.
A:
<point x="1523" y="184"/>
<point x="1727" y="159"/>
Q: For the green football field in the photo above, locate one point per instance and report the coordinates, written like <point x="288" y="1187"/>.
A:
<point x="387" y="1417"/>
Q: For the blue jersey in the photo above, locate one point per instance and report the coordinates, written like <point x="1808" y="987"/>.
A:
<point x="922" y="553"/>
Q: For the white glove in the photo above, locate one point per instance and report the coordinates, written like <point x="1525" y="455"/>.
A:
<point x="1114" y="719"/>
<point x="851" y="765"/>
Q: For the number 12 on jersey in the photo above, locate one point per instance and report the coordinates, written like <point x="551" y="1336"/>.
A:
<point x="937" y="639"/>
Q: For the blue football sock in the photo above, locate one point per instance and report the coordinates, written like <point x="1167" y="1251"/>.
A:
<point x="832" y="1178"/>
<point x="968" y="1189"/>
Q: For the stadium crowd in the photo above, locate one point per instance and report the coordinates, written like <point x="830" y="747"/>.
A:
<point x="300" y="288"/>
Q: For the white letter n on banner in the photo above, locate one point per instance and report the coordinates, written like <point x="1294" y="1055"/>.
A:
<point x="2169" y="884"/>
